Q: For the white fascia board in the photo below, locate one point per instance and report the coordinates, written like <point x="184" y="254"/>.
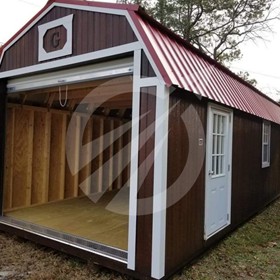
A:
<point x="106" y="53"/>
<point x="74" y="75"/>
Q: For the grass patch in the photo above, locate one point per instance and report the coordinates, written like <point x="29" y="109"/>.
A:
<point x="251" y="252"/>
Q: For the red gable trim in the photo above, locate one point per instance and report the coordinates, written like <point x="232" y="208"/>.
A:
<point x="105" y="5"/>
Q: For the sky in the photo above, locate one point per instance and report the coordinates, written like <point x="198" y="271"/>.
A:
<point x="261" y="59"/>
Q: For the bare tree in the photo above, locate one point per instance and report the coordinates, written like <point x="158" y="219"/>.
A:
<point x="217" y="28"/>
<point x="246" y="77"/>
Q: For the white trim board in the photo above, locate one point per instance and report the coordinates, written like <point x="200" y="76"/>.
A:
<point x="106" y="53"/>
<point x="132" y="225"/>
<point x="74" y="75"/>
<point x="159" y="217"/>
<point x="160" y="182"/>
<point x="116" y="11"/>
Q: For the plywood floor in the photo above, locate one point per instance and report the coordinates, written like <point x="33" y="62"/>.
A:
<point x="82" y="217"/>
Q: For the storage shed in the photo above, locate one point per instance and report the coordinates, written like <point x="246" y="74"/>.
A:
<point x="124" y="145"/>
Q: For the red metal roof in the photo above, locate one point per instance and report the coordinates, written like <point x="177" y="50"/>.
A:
<point x="108" y="5"/>
<point x="182" y="65"/>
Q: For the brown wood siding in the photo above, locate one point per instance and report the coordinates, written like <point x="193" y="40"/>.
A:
<point x="253" y="187"/>
<point x="273" y="180"/>
<point x="3" y="95"/>
<point x="146" y="67"/>
<point x="91" y="32"/>
<point x="184" y="232"/>
<point x="145" y="181"/>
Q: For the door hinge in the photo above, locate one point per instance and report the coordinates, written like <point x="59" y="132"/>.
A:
<point x="228" y="217"/>
<point x="228" y="167"/>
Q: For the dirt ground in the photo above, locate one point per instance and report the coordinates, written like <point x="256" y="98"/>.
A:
<point x="21" y="259"/>
<point x="252" y="252"/>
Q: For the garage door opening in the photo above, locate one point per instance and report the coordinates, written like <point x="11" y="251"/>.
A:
<point x="67" y="161"/>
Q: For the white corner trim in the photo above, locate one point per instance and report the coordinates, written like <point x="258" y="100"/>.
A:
<point x="132" y="225"/>
<point x="71" y="60"/>
<point x="231" y="120"/>
<point x="160" y="183"/>
<point x="67" y="22"/>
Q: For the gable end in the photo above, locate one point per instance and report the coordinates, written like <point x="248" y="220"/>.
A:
<point x="91" y="31"/>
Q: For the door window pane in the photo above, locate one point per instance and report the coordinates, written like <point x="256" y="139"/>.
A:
<point x="218" y="144"/>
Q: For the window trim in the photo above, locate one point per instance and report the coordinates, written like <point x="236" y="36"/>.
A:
<point x="266" y="162"/>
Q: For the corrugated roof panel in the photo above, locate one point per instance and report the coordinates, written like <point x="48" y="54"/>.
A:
<point x="214" y="80"/>
<point x="194" y="70"/>
<point x="237" y="99"/>
<point x="173" y="56"/>
<point x="182" y="65"/>
<point x="247" y="99"/>
<point x="171" y="60"/>
<point x="211" y="87"/>
<point x="189" y="78"/>
<point x="192" y="73"/>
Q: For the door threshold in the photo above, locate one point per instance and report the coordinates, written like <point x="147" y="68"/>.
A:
<point x="68" y="239"/>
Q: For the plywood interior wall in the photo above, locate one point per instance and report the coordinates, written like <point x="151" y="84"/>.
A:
<point x="36" y="168"/>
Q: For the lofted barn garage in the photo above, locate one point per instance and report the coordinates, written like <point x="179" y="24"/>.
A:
<point x="124" y="145"/>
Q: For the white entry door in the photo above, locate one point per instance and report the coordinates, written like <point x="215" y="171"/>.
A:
<point x="218" y="170"/>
